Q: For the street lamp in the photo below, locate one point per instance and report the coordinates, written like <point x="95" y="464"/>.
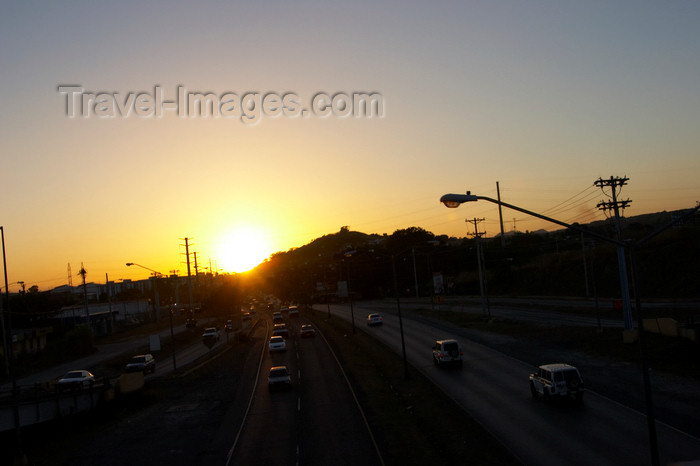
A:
<point x="398" y="310"/>
<point x="455" y="200"/>
<point x="156" y="275"/>
<point x="347" y="279"/>
<point x="415" y="269"/>
<point x="155" y="272"/>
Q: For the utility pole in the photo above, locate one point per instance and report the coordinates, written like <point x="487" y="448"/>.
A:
<point x="500" y="214"/>
<point x="615" y="185"/>
<point x="5" y="309"/>
<point x="486" y="309"/>
<point x="189" y="273"/>
<point x="109" y="301"/>
<point x="83" y="273"/>
<point x="196" y="272"/>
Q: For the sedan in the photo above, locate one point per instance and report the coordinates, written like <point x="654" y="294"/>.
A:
<point x="277" y="343"/>
<point x="141" y="363"/>
<point x="374" y="319"/>
<point x="79" y="378"/>
<point x="279" y="377"/>
<point x="307" y="331"/>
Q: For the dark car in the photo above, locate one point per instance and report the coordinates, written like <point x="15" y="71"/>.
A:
<point x="279" y="378"/>
<point x="141" y="363"/>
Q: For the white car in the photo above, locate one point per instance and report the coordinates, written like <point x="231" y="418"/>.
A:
<point x="211" y="332"/>
<point x="80" y="378"/>
<point x="279" y="377"/>
<point x="277" y="343"/>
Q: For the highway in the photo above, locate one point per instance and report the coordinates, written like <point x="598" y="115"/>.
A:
<point x="318" y="421"/>
<point x="493" y="388"/>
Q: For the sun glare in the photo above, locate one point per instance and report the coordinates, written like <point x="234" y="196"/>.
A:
<point x="242" y="250"/>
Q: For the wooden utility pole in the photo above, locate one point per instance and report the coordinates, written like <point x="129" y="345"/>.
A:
<point x="615" y="185"/>
<point x="485" y="307"/>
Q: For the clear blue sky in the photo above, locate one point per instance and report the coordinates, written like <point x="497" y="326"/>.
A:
<point x="545" y="97"/>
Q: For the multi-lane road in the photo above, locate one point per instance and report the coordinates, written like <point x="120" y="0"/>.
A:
<point x="493" y="388"/>
<point x="317" y="421"/>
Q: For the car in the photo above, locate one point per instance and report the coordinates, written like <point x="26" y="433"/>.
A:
<point x="228" y="326"/>
<point x="191" y="323"/>
<point x="246" y="317"/>
<point x="307" y="331"/>
<point x="281" y="330"/>
<point x="77" y="378"/>
<point x="293" y="311"/>
<point x="558" y="380"/>
<point x="279" y="378"/>
<point x="277" y="317"/>
<point x="277" y="343"/>
<point x="141" y="363"/>
<point x="374" y="319"/>
<point x="447" y="352"/>
<point x="211" y="332"/>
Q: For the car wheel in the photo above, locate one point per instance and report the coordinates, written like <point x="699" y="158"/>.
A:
<point x="545" y="393"/>
<point x="533" y="390"/>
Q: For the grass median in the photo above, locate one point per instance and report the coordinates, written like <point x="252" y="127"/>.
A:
<point x="412" y="420"/>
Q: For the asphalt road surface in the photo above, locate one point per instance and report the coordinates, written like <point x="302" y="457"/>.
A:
<point x="316" y="422"/>
<point x="208" y="416"/>
<point x="493" y="388"/>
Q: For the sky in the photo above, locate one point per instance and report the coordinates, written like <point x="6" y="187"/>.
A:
<point x="542" y="97"/>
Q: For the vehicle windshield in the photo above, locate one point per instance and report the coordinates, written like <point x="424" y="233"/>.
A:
<point x="73" y="375"/>
<point x="138" y="359"/>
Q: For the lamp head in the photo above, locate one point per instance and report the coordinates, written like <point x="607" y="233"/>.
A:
<point x="454" y="200"/>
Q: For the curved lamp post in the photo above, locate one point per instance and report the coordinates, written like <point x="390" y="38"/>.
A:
<point x="455" y="200"/>
<point x="156" y="274"/>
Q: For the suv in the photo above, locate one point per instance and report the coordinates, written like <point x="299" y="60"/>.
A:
<point x="447" y="352"/>
<point x="557" y="380"/>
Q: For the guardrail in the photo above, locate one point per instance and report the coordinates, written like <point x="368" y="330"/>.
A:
<point x="45" y="402"/>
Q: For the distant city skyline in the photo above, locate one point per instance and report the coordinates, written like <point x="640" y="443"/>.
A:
<point x="544" y="98"/>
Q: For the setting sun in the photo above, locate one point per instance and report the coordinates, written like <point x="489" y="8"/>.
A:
<point x="242" y="249"/>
